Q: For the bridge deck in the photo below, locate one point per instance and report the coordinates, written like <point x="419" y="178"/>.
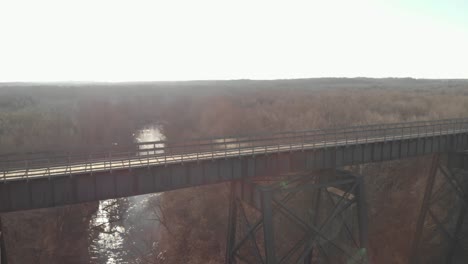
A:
<point x="151" y="167"/>
<point x="231" y="147"/>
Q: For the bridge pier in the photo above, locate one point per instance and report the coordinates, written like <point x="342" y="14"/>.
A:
<point x="442" y="220"/>
<point x="298" y="219"/>
<point x="3" y="257"/>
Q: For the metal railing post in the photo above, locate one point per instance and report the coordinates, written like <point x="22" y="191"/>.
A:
<point x="366" y="131"/>
<point x="225" y="148"/>
<point x="313" y="140"/>
<point x="346" y="137"/>
<point x="110" y="161"/>
<point x="303" y="139"/>
<point x="385" y="132"/>
<point x="182" y="152"/>
<point x="26" y="166"/>
<point x="4" y="172"/>
<point x="90" y="163"/>
<point x="253" y="146"/>
<point x="336" y="138"/>
<point x="48" y="167"/>
<point x="324" y="139"/>
<point x="357" y="137"/>
<point x="212" y="152"/>
<point x="290" y="146"/>
<point x="128" y="160"/>
<point x="198" y="149"/>
<point x="278" y="141"/>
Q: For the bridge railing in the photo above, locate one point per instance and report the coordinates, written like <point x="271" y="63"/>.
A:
<point x="163" y="152"/>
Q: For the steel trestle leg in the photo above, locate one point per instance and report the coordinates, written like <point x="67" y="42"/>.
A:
<point x="232" y="224"/>
<point x="301" y="219"/>
<point x="3" y="256"/>
<point x="443" y="213"/>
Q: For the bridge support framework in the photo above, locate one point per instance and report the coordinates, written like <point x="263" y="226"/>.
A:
<point x="442" y="227"/>
<point x="298" y="219"/>
<point x="3" y="257"/>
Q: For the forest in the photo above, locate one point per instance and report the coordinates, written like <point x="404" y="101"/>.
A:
<point x="189" y="225"/>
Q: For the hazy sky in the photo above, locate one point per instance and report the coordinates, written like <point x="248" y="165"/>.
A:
<point x="112" y="40"/>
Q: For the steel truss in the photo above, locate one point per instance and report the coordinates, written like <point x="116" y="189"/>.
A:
<point x="298" y="219"/>
<point x="442" y="227"/>
<point x="3" y="258"/>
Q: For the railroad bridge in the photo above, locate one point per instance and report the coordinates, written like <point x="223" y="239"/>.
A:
<point x="270" y="175"/>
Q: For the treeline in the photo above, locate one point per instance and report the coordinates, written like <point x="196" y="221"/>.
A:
<point x="70" y="121"/>
<point x="37" y="117"/>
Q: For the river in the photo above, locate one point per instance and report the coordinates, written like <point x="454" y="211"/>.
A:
<point x="125" y="230"/>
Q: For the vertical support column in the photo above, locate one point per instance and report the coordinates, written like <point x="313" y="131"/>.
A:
<point x="267" y="215"/>
<point x="454" y="242"/>
<point x="315" y="220"/>
<point x="3" y="257"/>
<point x="308" y="258"/>
<point x="424" y="209"/>
<point x="232" y="224"/>
<point x="362" y="217"/>
<point x="459" y="161"/>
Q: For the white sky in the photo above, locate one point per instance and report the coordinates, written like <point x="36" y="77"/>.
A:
<point x="136" y="40"/>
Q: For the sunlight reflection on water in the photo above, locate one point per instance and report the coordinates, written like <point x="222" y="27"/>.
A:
<point x="108" y="244"/>
<point x="108" y="247"/>
<point x="150" y="134"/>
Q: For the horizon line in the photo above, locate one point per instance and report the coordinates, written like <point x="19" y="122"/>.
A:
<point x="216" y="80"/>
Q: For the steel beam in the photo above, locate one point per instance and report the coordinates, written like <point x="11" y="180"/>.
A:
<point x="300" y="219"/>
<point x="424" y="208"/>
<point x="3" y="254"/>
<point x="231" y="224"/>
<point x="362" y="215"/>
<point x="443" y="213"/>
<point x="267" y="217"/>
<point x="454" y="243"/>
